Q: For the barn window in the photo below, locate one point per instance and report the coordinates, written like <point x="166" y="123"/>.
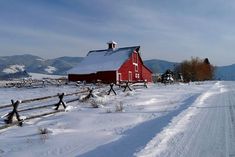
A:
<point x="137" y="75"/>
<point x="136" y="67"/>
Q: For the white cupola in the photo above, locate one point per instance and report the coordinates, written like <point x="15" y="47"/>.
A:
<point x="112" y="44"/>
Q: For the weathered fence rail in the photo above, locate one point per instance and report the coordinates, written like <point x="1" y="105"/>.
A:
<point x="42" y="98"/>
<point x="9" y="116"/>
<point x="24" y="108"/>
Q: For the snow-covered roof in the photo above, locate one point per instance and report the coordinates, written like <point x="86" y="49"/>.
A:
<point x="103" y="60"/>
<point x="111" y="42"/>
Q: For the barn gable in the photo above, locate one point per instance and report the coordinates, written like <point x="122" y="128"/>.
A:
<point x="112" y="65"/>
<point x="103" y="60"/>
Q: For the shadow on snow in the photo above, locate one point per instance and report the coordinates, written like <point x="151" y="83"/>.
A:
<point x="136" y="138"/>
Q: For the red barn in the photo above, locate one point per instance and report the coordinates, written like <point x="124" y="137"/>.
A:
<point x="111" y="65"/>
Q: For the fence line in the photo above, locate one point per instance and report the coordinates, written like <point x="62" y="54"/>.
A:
<point x="57" y="105"/>
<point x="42" y="98"/>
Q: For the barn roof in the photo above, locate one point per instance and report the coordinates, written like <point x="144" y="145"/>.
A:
<point x="103" y="60"/>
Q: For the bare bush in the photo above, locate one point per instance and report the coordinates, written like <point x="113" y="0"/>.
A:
<point x="108" y="110"/>
<point x="196" y="69"/>
<point x="119" y="107"/>
<point x="43" y="132"/>
<point x="94" y="103"/>
<point x="128" y="94"/>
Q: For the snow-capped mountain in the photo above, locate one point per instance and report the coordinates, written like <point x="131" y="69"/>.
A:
<point x="13" y="69"/>
<point x="20" y="65"/>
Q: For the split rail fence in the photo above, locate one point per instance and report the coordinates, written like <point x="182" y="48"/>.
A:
<point x="27" y="105"/>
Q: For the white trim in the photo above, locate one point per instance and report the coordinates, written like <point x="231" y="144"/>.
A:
<point x="120" y="74"/>
<point x="132" y="58"/>
<point x="116" y="76"/>
<point x="135" y="64"/>
<point x="130" y="76"/>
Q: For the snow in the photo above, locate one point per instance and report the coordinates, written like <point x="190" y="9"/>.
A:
<point x="40" y="59"/>
<point x="187" y="120"/>
<point x="42" y="76"/>
<point x="50" y="69"/>
<point x="14" y="69"/>
<point x="102" y="60"/>
<point x="203" y="129"/>
<point x="111" y="42"/>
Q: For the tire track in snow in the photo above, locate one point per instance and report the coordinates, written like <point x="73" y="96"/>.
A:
<point x="137" y="137"/>
<point x="209" y="133"/>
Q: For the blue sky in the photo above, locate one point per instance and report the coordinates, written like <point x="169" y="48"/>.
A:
<point x="172" y="30"/>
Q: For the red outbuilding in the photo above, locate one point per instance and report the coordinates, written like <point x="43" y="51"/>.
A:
<point x="112" y="65"/>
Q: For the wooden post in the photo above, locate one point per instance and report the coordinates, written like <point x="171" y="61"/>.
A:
<point x="43" y="83"/>
<point x="9" y="116"/>
<point x="127" y="86"/>
<point x="111" y="89"/>
<point x="61" y="96"/>
<point x="90" y="94"/>
<point x="145" y="84"/>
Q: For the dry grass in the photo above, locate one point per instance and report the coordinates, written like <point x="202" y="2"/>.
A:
<point x="94" y="103"/>
<point x="108" y="110"/>
<point x="119" y="107"/>
<point x="44" y="133"/>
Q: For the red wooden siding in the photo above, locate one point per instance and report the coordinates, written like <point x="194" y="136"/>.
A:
<point x="147" y="74"/>
<point x="132" y="70"/>
<point x="134" y="65"/>
<point x="104" y="76"/>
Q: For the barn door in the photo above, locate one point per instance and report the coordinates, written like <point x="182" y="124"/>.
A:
<point x="130" y="76"/>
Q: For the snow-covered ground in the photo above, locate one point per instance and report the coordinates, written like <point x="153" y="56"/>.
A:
<point x="187" y="120"/>
<point x="42" y="76"/>
<point x="14" y="69"/>
<point x="50" y="69"/>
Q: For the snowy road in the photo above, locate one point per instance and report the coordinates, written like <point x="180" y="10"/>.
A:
<point x="186" y="120"/>
<point x="206" y="128"/>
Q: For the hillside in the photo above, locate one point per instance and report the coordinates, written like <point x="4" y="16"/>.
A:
<point x="225" y="73"/>
<point x="23" y="64"/>
<point x="20" y="65"/>
<point x="159" y="66"/>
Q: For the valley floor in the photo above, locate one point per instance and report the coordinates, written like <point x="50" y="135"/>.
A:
<point x="187" y="120"/>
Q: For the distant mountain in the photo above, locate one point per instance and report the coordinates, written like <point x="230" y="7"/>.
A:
<point x="19" y="65"/>
<point x="225" y="73"/>
<point x="160" y="66"/>
<point x="221" y="72"/>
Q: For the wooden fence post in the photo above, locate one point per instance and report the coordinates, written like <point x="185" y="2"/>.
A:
<point x="145" y="84"/>
<point x="90" y="94"/>
<point x="127" y="86"/>
<point x="9" y="116"/>
<point x="61" y="96"/>
<point x="111" y="89"/>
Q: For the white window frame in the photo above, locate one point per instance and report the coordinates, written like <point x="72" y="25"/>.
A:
<point x="136" y="67"/>
<point x="137" y="75"/>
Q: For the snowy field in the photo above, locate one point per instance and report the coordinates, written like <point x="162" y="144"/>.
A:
<point x="186" y="120"/>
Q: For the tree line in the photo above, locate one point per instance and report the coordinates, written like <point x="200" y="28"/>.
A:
<point x="196" y="69"/>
